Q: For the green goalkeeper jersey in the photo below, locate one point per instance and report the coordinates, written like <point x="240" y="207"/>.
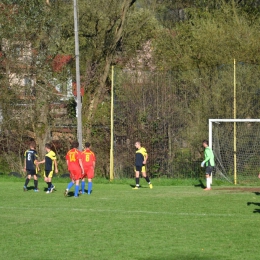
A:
<point x="209" y="157"/>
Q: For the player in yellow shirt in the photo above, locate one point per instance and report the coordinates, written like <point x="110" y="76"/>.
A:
<point x="141" y="157"/>
<point x="50" y="165"/>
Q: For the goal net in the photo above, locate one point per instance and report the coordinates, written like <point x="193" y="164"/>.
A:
<point x="236" y="146"/>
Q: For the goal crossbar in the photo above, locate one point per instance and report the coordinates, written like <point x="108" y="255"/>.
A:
<point x="211" y="121"/>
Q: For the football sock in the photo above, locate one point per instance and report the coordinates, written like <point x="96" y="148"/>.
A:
<point x="76" y="191"/>
<point x="49" y="185"/>
<point x="89" y="187"/>
<point x="137" y="181"/>
<point x="83" y="186"/>
<point x="70" y="185"/>
<point x="208" y="182"/>
<point x="36" y="184"/>
<point x="147" y="179"/>
<point x="26" y="182"/>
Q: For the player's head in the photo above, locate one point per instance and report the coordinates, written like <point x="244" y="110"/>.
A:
<point x="205" y="143"/>
<point x="137" y="145"/>
<point x="87" y="144"/>
<point x="32" y="145"/>
<point x="48" y="146"/>
<point x="75" y="144"/>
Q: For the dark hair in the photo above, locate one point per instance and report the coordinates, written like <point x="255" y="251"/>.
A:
<point x="32" y="144"/>
<point x="48" y="145"/>
<point x="205" y="142"/>
<point x="87" y="144"/>
<point x="75" y="144"/>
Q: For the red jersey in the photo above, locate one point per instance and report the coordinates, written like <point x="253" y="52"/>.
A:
<point x="72" y="158"/>
<point x="88" y="158"/>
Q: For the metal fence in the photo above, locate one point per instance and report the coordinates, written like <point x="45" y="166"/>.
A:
<point x="168" y="113"/>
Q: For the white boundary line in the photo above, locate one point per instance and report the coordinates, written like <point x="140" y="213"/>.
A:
<point x="125" y="211"/>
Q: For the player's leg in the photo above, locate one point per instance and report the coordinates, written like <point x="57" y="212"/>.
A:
<point x="27" y="180"/>
<point x="35" y="179"/>
<point x="90" y="175"/>
<point x="70" y="185"/>
<point x="50" y="180"/>
<point x="146" y="177"/>
<point x="137" y="177"/>
<point x="208" y="174"/>
<point x="49" y="175"/>
<point x="83" y="183"/>
<point x="76" y="192"/>
<point x="52" y="186"/>
<point x="46" y="179"/>
<point x="90" y="185"/>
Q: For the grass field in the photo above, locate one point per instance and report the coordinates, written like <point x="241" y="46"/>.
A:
<point x="116" y="222"/>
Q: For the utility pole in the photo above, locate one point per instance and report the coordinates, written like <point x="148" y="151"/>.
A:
<point x="79" y="104"/>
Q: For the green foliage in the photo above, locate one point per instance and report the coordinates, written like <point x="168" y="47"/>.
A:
<point x="208" y="38"/>
<point x="71" y="107"/>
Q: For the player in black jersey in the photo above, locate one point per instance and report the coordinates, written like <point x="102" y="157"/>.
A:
<point x="30" y="160"/>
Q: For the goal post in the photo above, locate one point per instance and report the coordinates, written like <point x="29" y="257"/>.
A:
<point x="236" y="146"/>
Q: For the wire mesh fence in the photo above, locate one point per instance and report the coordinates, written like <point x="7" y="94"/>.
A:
<point x="168" y="113"/>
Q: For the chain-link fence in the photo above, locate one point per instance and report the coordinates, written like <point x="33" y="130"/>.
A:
<point x="168" y="113"/>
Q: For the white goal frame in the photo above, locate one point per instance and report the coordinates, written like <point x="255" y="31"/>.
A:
<point x="211" y="121"/>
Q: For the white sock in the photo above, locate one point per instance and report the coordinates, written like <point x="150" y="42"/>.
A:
<point x="208" y="182"/>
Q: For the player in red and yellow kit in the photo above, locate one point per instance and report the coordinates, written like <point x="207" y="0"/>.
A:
<point x="75" y="167"/>
<point x="88" y="161"/>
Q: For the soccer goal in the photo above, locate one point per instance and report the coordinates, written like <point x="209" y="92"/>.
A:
<point x="236" y="146"/>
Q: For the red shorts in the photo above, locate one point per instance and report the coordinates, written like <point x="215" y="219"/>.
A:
<point x="75" y="174"/>
<point x="89" y="172"/>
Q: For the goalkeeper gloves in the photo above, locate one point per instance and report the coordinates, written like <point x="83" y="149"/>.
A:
<point x="202" y="164"/>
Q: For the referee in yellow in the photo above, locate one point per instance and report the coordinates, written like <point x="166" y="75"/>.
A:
<point x="141" y="157"/>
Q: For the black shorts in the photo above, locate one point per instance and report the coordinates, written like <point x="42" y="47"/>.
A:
<point x="47" y="173"/>
<point x="138" y="168"/>
<point x="209" y="170"/>
<point x="31" y="172"/>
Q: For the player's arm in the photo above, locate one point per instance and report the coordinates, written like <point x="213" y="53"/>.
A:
<point x="41" y="162"/>
<point x="56" y="166"/>
<point x="206" y="157"/>
<point x="145" y="158"/>
<point x="81" y="166"/>
<point x="24" y="164"/>
<point x="36" y="164"/>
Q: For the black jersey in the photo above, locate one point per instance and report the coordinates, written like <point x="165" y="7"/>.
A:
<point x="30" y="157"/>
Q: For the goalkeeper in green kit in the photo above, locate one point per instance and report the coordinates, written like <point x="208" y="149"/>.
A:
<point x="208" y="162"/>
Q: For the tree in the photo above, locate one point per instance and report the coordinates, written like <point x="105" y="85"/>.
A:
<point x="28" y="47"/>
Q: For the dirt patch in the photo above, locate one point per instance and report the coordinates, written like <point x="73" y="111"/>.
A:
<point x="240" y="189"/>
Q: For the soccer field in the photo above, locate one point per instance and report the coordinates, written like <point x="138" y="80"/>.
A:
<point x="116" y="222"/>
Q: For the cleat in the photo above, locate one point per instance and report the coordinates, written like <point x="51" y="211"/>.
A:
<point x="136" y="188"/>
<point x="36" y="190"/>
<point x="151" y="185"/>
<point x="89" y="193"/>
<point x="82" y="192"/>
<point x="24" y="188"/>
<point x="52" y="188"/>
<point x="66" y="192"/>
<point x="207" y="189"/>
<point x="48" y="191"/>
<point x="76" y="196"/>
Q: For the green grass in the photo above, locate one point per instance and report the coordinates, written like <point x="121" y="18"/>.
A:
<point x="116" y="222"/>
